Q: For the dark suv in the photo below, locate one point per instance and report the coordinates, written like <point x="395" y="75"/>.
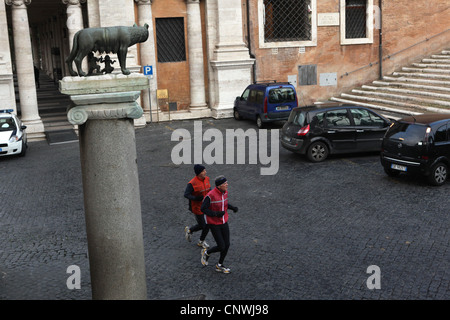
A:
<point x="266" y="102"/>
<point x="318" y="131"/>
<point x="418" y="144"/>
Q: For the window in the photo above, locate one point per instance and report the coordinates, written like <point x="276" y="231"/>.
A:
<point x="245" y="95"/>
<point x="170" y="40"/>
<point x="287" y="23"/>
<point x="337" y="118"/>
<point x="363" y="117"/>
<point x="281" y="95"/>
<point x="441" y="134"/>
<point x="356" y="21"/>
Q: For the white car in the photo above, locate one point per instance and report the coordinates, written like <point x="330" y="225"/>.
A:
<point x="13" y="138"/>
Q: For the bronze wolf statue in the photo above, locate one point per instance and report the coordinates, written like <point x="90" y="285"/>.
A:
<point x="105" y="40"/>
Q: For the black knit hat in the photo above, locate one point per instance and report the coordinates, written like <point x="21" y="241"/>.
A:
<point x="220" y="180"/>
<point x="198" y="168"/>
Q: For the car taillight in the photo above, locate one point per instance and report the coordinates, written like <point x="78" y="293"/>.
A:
<point x="265" y="105"/>
<point x="424" y="157"/>
<point x="303" y="131"/>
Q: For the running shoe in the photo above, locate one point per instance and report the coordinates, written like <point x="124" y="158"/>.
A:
<point x="187" y="234"/>
<point x="205" y="257"/>
<point x="202" y="244"/>
<point x="222" y="268"/>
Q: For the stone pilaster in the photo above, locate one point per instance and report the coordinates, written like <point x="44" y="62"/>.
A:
<point x="148" y="57"/>
<point x="195" y="50"/>
<point x="231" y="63"/>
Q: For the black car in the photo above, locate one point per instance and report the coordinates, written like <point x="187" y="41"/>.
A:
<point x="318" y="131"/>
<point x="418" y="144"/>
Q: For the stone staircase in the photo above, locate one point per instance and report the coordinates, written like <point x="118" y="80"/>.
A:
<point x="422" y="87"/>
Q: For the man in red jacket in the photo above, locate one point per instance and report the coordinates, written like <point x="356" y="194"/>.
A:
<point x="196" y="189"/>
<point x="215" y="206"/>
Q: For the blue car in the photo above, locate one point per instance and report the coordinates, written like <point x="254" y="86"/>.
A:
<point x="266" y="102"/>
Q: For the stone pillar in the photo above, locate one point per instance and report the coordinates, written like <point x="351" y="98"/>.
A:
<point x="24" y="69"/>
<point x="195" y="49"/>
<point x="6" y="75"/>
<point x="231" y="62"/>
<point x="148" y="57"/>
<point x="75" y="23"/>
<point x="105" y="107"/>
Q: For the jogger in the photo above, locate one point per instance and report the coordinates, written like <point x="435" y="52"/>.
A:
<point x="215" y="206"/>
<point x="196" y="189"/>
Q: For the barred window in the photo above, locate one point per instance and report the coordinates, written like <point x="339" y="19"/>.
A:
<point x="287" y="20"/>
<point x="355" y="19"/>
<point x="170" y="39"/>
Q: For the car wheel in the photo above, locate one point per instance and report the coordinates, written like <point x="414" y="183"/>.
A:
<point x="438" y="174"/>
<point x="259" y="122"/>
<point x="317" y="151"/>
<point x="391" y="173"/>
<point x="24" y="149"/>
<point x="236" y="115"/>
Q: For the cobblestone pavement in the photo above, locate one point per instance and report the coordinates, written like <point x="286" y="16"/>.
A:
<point x="308" y="232"/>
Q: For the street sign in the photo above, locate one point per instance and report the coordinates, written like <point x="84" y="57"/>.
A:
<point x="148" y="70"/>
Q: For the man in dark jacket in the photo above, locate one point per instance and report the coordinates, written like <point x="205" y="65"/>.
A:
<point x="196" y="189"/>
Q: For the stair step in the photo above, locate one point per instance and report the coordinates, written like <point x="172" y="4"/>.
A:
<point x="377" y="106"/>
<point x="422" y="75"/>
<point x="429" y="70"/>
<point x="431" y="65"/>
<point x="411" y="85"/>
<point x="406" y="91"/>
<point x="439" y="56"/>
<point x="403" y="97"/>
<point x="410" y="79"/>
<point x="395" y="103"/>
<point x="436" y="60"/>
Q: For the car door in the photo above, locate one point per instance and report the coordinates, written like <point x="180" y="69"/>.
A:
<point x="370" y="129"/>
<point x="241" y="103"/>
<point x="340" y="131"/>
<point x="442" y="141"/>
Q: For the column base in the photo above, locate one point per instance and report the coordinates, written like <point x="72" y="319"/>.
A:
<point x="35" y="129"/>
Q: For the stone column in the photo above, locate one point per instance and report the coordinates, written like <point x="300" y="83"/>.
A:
<point x="105" y="107"/>
<point x="6" y="75"/>
<point x="195" y="50"/>
<point x="75" y="23"/>
<point x="148" y="57"/>
<point x="231" y="62"/>
<point x="24" y="69"/>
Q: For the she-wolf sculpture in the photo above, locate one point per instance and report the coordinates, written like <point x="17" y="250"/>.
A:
<point x="105" y="40"/>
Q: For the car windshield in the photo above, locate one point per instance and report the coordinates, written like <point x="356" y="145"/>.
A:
<point x="297" y="117"/>
<point x="408" y="132"/>
<point x="280" y="95"/>
<point x="7" y="124"/>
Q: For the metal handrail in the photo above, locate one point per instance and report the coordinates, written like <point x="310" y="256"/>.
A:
<point x="395" y="53"/>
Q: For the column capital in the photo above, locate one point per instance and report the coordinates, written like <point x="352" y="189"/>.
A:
<point x="17" y="3"/>
<point x="73" y="2"/>
<point x="143" y="2"/>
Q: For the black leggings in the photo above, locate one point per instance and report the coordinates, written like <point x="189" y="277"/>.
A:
<point x="201" y="225"/>
<point x="221" y="234"/>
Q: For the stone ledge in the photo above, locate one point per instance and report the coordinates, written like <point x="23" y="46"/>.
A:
<point x="107" y="83"/>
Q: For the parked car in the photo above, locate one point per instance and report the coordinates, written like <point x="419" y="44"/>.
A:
<point x="418" y="144"/>
<point x="320" y="130"/>
<point x="266" y="102"/>
<point x="13" y="138"/>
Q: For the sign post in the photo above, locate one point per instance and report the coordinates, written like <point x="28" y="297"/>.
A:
<point x="148" y="71"/>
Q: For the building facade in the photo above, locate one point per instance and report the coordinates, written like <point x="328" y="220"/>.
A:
<point x="203" y="53"/>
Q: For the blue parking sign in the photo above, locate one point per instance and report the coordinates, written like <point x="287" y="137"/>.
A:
<point x="148" y="70"/>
